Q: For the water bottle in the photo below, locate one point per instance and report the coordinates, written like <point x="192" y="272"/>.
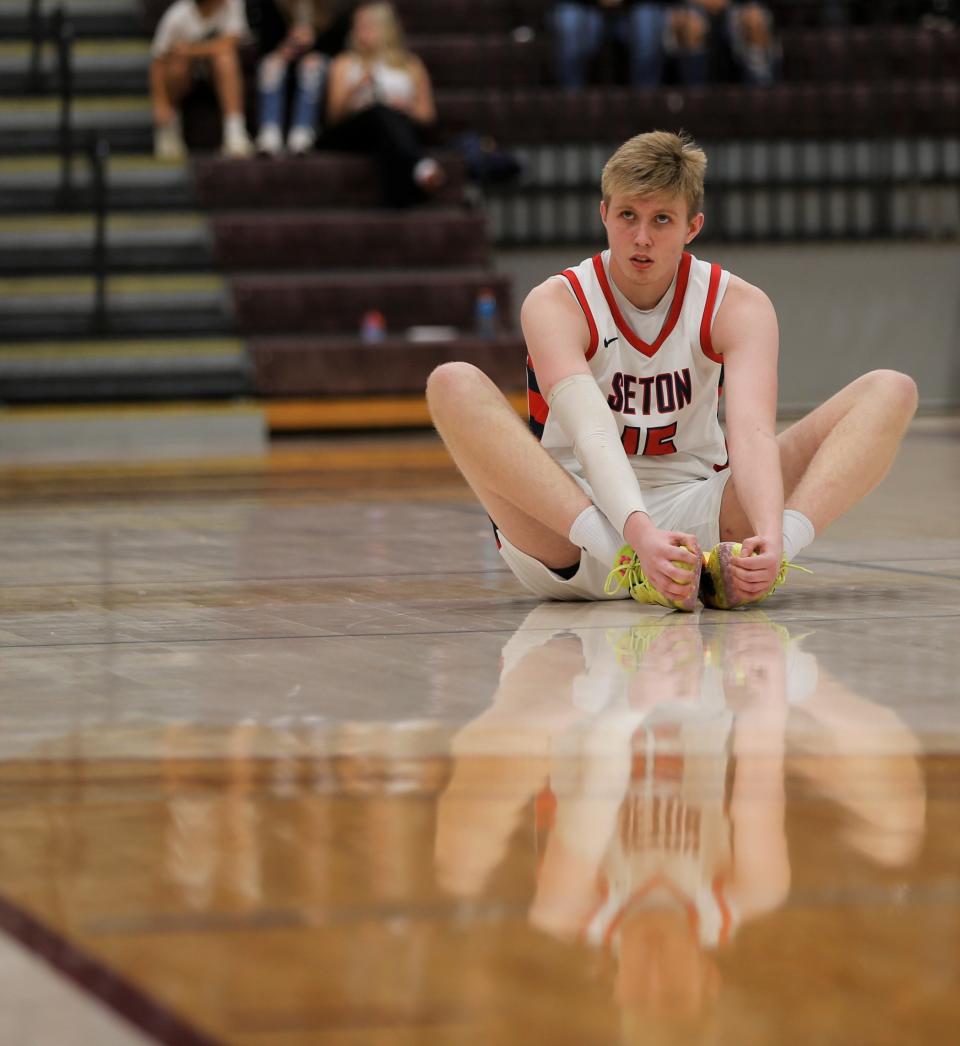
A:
<point x="485" y="313"/>
<point x="373" y="327"/>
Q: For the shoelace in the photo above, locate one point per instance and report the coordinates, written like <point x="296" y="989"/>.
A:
<point x="626" y="574"/>
<point x="782" y="572"/>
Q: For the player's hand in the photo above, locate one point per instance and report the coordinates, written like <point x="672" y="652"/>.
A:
<point x="658" y="550"/>
<point x="755" y="569"/>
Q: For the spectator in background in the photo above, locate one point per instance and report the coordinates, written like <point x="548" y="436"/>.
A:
<point x="720" y="41"/>
<point x="198" y="39"/>
<point x="311" y="37"/>
<point x="380" y="101"/>
<point x="581" y="27"/>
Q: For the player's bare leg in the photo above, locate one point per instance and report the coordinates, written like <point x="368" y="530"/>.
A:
<point x="838" y="453"/>
<point x="170" y="79"/>
<point x="526" y="493"/>
<point x="228" y="79"/>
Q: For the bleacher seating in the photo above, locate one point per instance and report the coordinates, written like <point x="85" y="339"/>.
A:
<point x="265" y="268"/>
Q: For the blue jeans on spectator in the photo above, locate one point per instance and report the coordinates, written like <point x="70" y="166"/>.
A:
<point x="310" y="74"/>
<point x="579" y="32"/>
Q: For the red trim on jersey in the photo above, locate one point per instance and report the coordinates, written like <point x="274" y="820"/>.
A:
<point x="582" y="298"/>
<point x="706" y="340"/>
<point x="537" y="407"/>
<point x="657" y="880"/>
<point x="603" y="892"/>
<point x="545" y="809"/>
<point x="683" y="274"/>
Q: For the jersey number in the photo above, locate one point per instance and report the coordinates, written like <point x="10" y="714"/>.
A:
<point x="654" y="442"/>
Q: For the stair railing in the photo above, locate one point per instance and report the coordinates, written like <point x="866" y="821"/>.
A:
<point x="57" y="27"/>
<point x="98" y="153"/>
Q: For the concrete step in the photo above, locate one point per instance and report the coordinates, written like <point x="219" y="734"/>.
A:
<point x="423" y="17"/>
<point x="31" y="183"/>
<point x="31" y="124"/>
<point x="136" y="242"/>
<point x="308" y="365"/>
<point x="88" y="18"/>
<point x="349" y="238"/>
<point x="62" y="306"/>
<point x="335" y="302"/>
<point x="31" y="436"/>
<point x="320" y="180"/>
<point x="123" y="369"/>
<point x="99" y="66"/>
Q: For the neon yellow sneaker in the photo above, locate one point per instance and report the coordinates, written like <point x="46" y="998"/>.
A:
<point x="715" y="581"/>
<point x="628" y="574"/>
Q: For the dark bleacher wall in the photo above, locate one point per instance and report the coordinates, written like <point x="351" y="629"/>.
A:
<point x="843" y="310"/>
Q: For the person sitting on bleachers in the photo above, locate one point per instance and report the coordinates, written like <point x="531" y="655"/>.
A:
<point x="314" y="32"/>
<point x="198" y="39"/>
<point x="380" y="101"/>
<point x="723" y="41"/>
<point x="581" y="27"/>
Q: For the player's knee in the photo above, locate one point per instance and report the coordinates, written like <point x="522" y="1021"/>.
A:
<point x="225" y="60"/>
<point x="451" y="383"/>
<point x="899" y="388"/>
<point x="271" y="72"/>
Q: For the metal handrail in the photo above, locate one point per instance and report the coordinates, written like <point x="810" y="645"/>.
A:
<point x="98" y="153"/>
<point x="35" y="24"/>
<point x="62" y="32"/>
<point x="58" y="28"/>
<point x="55" y="27"/>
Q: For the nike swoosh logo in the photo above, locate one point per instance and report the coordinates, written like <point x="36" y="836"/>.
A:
<point x="606" y="341"/>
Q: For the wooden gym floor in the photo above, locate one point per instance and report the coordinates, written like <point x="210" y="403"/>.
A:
<point x="288" y="757"/>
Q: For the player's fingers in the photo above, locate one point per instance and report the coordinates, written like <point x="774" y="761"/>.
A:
<point x="669" y="587"/>
<point x="680" y="551"/>
<point x="690" y="543"/>
<point x="746" y="566"/>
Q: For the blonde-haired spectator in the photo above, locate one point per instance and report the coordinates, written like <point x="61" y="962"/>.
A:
<point x="380" y="101"/>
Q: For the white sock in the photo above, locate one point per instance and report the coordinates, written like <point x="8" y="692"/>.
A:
<point x="798" y="532"/>
<point x="594" y="533"/>
<point x="234" y="125"/>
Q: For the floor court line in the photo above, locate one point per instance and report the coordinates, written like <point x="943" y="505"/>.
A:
<point x="780" y="619"/>
<point x="99" y="980"/>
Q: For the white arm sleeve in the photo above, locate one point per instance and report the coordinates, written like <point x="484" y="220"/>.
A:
<point x="583" y="414"/>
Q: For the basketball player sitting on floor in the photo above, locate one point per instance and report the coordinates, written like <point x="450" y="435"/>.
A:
<point x="627" y="490"/>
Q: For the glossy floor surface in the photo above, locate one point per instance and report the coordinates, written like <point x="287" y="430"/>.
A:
<point x="289" y="757"/>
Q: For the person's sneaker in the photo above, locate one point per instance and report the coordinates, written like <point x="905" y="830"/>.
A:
<point x="270" y="140"/>
<point x="429" y="175"/>
<point x="716" y="583"/>
<point x="236" y="143"/>
<point x="628" y="574"/>
<point x="168" y="142"/>
<point x="300" y="140"/>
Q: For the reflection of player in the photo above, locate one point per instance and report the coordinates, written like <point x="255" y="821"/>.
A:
<point x="658" y="761"/>
<point x="213" y="835"/>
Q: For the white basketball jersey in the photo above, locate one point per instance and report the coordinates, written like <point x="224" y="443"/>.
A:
<point x="656" y="368"/>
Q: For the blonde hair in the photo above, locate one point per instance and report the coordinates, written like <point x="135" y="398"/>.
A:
<point x="393" y="50"/>
<point x="657" y="162"/>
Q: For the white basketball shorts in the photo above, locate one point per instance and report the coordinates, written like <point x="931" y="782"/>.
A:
<point x="693" y="508"/>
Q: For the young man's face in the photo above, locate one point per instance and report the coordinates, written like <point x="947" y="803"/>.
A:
<point x="647" y="235"/>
